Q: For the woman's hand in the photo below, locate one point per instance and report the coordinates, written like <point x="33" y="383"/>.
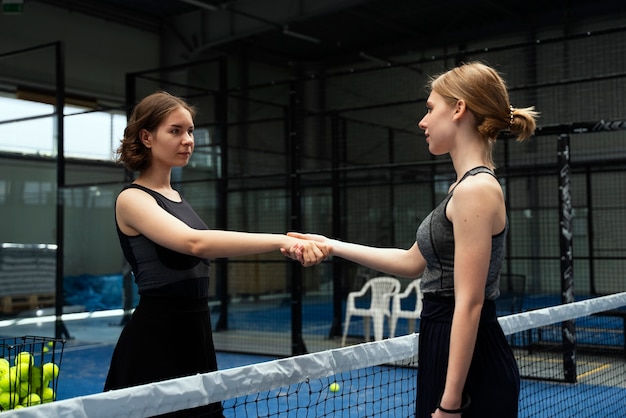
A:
<point x="309" y="249"/>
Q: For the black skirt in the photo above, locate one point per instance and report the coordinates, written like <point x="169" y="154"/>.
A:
<point x="493" y="381"/>
<point x="165" y="338"/>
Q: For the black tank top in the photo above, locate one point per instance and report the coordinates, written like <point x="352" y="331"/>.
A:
<point x="160" y="271"/>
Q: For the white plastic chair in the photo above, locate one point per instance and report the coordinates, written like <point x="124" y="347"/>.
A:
<point x="382" y="290"/>
<point x="411" y="315"/>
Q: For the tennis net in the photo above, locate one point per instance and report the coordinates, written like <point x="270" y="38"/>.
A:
<point x="571" y="358"/>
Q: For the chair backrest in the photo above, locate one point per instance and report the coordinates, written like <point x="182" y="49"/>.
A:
<point x="512" y="293"/>
<point x="413" y="286"/>
<point x="380" y="286"/>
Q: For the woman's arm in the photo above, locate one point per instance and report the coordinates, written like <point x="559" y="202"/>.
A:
<point x="138" y="213"/>
<point x="393" y="261"/>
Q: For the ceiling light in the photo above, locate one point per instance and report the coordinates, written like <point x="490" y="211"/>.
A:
<point x="307" y="38"/>
<point x="373" y="59"/>
<point x="201" y="4"/>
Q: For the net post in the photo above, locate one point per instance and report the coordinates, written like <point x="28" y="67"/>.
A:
<point x="568" y="328"/>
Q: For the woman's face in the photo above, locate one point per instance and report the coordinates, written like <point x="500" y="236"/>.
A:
<point x="172" y="143"/>
<point x="438" y="124"/>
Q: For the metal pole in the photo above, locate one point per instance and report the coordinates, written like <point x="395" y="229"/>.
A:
<point x="338" y="141"/>
<point x="221" y="137"/>
<point x="60" y="331"/>
<point x="568" y="328"/>
<point x="293" y="139"/>
<point x="127" y="274"/>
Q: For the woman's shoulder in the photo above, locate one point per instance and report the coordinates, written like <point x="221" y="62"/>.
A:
<point x="478" y="192"/>
<point x="478" y="187"/>
<point x="133" y="193"/>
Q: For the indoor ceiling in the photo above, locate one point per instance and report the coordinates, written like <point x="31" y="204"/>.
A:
<point x="342" y="31"/>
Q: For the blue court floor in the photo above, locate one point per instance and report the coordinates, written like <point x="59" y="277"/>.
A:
<point x="84" y="367"/>
<point x="86" y="355"/>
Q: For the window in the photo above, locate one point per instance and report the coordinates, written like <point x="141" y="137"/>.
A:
<point x="37" y="193"/>
<point x="28" y="127"/>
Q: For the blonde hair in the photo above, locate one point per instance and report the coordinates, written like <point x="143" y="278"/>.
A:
<point x="148" y="114"/>
<point x="485" y="94"/>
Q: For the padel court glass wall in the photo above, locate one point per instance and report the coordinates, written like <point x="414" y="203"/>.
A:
<point x="338" y="152"/>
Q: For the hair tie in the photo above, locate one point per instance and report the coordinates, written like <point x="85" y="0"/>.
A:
<point x="510" y="116"/>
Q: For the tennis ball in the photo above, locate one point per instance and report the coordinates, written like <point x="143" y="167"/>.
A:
<point x="50" y="371"/>
<point x="23" y="371"/>
<point x="9" y="381"/>
<point x="24" y="358"/>
<point x="4" y="367"/>
<point x="36" y="377"/>
<point x="334" y="387"/>
<point x="23" y="389"/>
<point x="47" y="395"/>
<point x="8" y="400"/>
<point x="32" y="399"/>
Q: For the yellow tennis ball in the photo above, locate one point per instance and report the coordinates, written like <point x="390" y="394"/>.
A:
<point x="36" y="377"/>
<point x="23" y="389"/>
<point x="23" y="371"/>
<point x="50" y="371"/>
<point x="334" y="387"/>
<point x="4" y="363"/>
<point x="9" y="381"/>
<point x="24" y="358"/>
<point x="32" y="399"/>
<point x="8" y="400"/>
<point x="4" y="366"/>
<point x="47" y="395"/>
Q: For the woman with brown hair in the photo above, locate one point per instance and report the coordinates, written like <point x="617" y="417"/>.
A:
<point x="168" y="247"/>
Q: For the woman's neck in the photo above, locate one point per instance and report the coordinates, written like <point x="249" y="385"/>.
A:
<point x="155" y="180"/>
<point x="469" y="153"/>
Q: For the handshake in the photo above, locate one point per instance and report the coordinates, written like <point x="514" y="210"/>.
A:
<point x="307" y="249"/>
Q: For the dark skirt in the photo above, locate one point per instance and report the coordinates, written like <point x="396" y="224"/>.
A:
<point x="164" y="339"/>
<point x="493" y="381"/>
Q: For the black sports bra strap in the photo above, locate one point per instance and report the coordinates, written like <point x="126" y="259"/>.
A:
<point x="476" y="170"/>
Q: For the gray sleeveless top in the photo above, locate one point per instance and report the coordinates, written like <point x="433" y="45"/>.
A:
<point x="156" y="268"/>
<point x="435" y="239"/>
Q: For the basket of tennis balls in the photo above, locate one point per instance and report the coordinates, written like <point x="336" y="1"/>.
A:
<point x="29" y="370"/>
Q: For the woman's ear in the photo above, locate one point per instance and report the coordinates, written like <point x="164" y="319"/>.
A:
<point x="145" y="137"/>
<point x="459" y="109"/>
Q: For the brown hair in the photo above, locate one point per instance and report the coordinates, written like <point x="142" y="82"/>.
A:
<point x="148" y="114"/>
<point x="486" y="96"/>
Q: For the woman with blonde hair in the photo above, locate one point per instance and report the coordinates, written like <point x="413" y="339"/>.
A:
<point x="466" y="367"/>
